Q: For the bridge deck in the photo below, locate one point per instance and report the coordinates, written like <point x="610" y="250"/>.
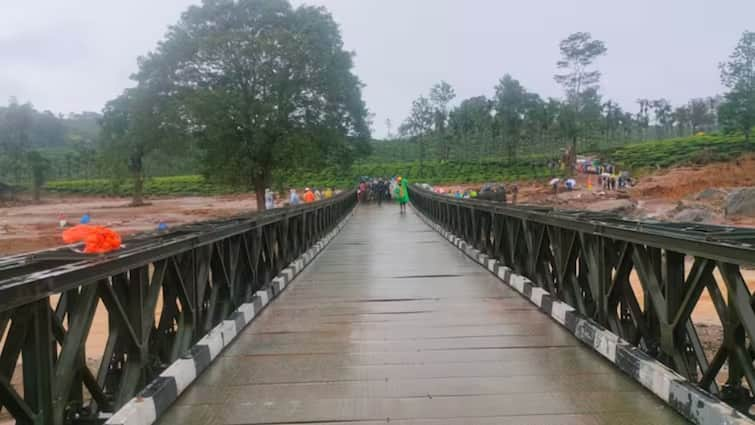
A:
<point x="393" y="324"/>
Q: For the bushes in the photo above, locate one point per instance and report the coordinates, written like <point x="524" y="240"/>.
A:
<point x="157" y="186"/>
<point x="435" y="172"/>
<point x="439" y="172"/>
<point x="687" y="150"/>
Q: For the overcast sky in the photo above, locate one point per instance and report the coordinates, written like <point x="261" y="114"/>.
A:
<point x="74" y="55"/>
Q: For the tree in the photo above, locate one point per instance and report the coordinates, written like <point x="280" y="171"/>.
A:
<point x="16" y="123"/>
<point x="47" y="130"/>
<point x="511" y="105"/>
<point x="590" y="118"/>
<point x="643" y="116"/>
<point x="263" y="86"/>
<point x="662" y="113"/>
<point x="471" y="123"/>
<point x="578" y="52"/>
<point x="440" y="96"/>
<point x="39" y="167"/>
<point x="700" y="114"/>
<point x="418" y="125"/>
<point x="681" y="118"/>
<point x="738" y="74"/>
<point x="133" y="125"/>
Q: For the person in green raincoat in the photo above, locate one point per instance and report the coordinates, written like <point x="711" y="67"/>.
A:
<point x="402" y="194"/>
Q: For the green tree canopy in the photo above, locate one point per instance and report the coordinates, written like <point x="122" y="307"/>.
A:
<point x="578" y="53"/>
<point x="418" y="126"/>
<point x="516" y="112"/>
<point x="135" y="124"/>
<point x="262" y="85"/>
<point x="441" y="96"/>
<point x="738" y="74"/>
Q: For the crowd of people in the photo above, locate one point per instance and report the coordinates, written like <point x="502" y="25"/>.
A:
<point x="381" y="189"/>
<point x="294" y="198"/>
<point x="608" y="175"/>
<point x="376" y="190"/>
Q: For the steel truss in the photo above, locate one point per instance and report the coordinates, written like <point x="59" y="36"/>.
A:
<point x="160" y="293"/>
<point x="587" y="259"/>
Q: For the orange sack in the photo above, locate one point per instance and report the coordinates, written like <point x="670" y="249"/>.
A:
<point x="97" y="239"/>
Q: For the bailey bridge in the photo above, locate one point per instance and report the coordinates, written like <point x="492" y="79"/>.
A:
<point x="458" y="312"/>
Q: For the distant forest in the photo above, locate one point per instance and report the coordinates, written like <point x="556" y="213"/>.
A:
<point x="69" y="145"/>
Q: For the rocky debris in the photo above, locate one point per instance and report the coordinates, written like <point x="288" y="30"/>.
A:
<point x="694" y="215"/>
<point x="616" y="206"/>
<point x="711" y="194"/>
<point x="741" y="202"/>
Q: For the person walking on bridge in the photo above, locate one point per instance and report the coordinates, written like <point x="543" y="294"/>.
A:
<point x="293" y="199"/>
<point x="402" y="194"/>
<point x="380" y="189"/>
<point x="308" y="197"/>
<point x="269" y="199"/>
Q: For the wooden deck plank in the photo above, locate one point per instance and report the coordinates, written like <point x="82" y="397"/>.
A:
<point x="392" y="324"/>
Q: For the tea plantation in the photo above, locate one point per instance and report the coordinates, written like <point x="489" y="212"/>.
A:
<point x="639" y="156"/>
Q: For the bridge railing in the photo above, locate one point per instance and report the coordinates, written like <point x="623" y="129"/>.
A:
<point x="641" y="279"/>
<point x="159" y="295"/>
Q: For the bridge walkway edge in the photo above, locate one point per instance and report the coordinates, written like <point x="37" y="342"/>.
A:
<point x="391" y="324"/>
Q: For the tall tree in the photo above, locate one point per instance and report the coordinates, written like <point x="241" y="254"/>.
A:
<point x="590" y="116"/>
<point x="441" y="95"/>
<point x="701" y="116"/>
<point x="16" y="124"/>
<point x="681" y="118"/>
<point x="260" y="83"/>
<point x="471" y="122"/>
<point x="662" y="113"/>
<point x="418" y="126"/>
<point x="578" y="53"/>
<point x="738" y="74"/>
<point x="643" y="116"/>
<point x="389" y="129"/>
<point x="133" y="125"/>
<point x="40" y="167"/>
<point x="511" y="105"/>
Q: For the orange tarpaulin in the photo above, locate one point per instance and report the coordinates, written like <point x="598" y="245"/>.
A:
<point x="97" y="239"/>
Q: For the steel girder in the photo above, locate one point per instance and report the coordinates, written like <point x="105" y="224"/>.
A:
<point x="161" y="293"/>
<point x="640" y="279"/>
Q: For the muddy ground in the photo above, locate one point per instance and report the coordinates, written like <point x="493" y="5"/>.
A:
<point x="662" y="195"/>
<point x="25" y="226"/>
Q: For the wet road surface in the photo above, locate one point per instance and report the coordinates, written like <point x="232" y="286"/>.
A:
<point x="392" y="324"/>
